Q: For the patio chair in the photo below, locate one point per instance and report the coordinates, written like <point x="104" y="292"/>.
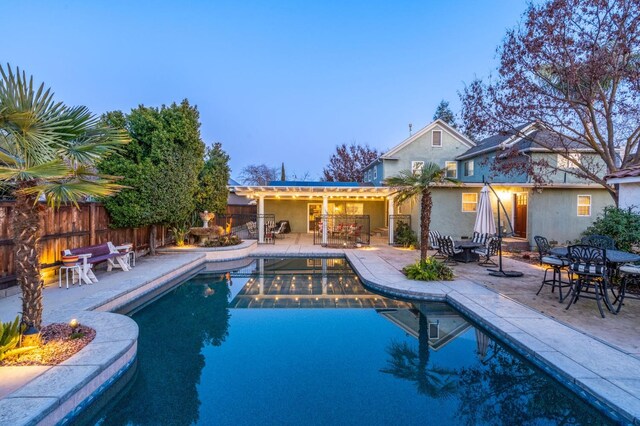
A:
<point x="489" y="250"/>
<point x="281" y="230"/>
<point x="551" y="262"/>
<point x="630" y="277"/>
<point x="480" y="238"/>
<point x="448" y="249"/>
<point x="252" y="229"/>
<point x="434" y="244"/>
<point x="601" y="241"/>
<point x="589" y="265"/>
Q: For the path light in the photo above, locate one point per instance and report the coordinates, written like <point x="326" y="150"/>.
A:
<point x="74" y="324"/>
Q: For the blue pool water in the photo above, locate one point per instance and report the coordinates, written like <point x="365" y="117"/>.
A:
<point x="300" y="341"/>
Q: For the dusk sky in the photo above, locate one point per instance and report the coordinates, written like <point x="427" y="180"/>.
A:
<point x="274" y="82"/>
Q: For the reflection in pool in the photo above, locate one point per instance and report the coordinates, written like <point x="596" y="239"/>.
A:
<point x="300" y="341"/>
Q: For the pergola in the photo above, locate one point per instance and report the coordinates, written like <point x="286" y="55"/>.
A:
<point x="315" y="190"/>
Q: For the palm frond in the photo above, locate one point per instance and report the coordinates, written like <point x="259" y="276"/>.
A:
<point x="55" y="169"/>
<point x="73" y="191"/>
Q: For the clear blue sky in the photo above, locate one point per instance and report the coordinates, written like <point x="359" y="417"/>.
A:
<point x="274" y="81"/>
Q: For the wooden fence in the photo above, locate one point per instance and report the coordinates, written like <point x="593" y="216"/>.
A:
<point x="64" y="228"/>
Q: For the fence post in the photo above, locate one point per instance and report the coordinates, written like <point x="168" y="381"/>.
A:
<point x="92" y="223"/>
<point x="135" y="239"/>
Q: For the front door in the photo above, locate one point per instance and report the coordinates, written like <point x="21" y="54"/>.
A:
<point x="520" y="214"/>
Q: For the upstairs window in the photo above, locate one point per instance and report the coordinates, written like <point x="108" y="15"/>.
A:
<point x="565" y="163"/>
<point x="468" y="168"/>
<point x="584" y="205"/>
<point x="436" y="138"/>
<point x="469" y="202"/>
<point x="375" y="173"/>
<point x="416" y="167"/>
<point x="451" y="168"/>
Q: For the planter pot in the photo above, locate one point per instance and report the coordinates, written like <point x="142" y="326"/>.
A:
<point x="70" y="260"/>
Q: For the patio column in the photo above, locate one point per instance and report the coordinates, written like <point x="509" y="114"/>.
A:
<point x="392" y="224"/>
<point x="325" y="219"/>
<point x="261" y="219"/>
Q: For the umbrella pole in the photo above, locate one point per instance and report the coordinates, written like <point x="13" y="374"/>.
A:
<point x="500" y="272"/>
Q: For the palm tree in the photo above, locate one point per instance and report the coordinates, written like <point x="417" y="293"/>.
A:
<point x="410" y="184"/>
<point x="48" y="151"/>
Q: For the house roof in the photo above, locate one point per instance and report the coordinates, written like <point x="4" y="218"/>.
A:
<point x="525" y="137"/>
<point x="320" y="184"/>
<point x="448" y="128"/>
<point x="234" y="199"/>
<point x="628" y="174"/>
<point x="313" y="190"/>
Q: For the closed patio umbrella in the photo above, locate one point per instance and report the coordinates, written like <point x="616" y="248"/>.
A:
<point x="485" y="224"/>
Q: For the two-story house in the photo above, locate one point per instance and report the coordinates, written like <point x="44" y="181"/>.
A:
<point x="560" y="209"/>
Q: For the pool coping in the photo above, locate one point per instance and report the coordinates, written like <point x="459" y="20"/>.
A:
<point x="61" y="392"/>
<point x="594" y="372"/>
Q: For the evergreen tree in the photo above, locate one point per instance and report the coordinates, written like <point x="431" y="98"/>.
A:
<point x="444" y="113"/>
<point x="213" y="180"/>
<point x="283" y="176"/>
<point x="160" y="166"/>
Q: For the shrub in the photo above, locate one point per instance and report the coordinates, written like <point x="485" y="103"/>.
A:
<point x="429" y="269"/>
<point x="9" y="336"/>
<point x="623" y="225"/>
<point x="404" y="235"/>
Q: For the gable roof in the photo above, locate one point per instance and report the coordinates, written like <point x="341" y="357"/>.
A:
<point x="448" y="128"/>
<point x="529" y="142"/>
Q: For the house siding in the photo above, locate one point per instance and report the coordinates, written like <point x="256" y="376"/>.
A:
<point x="551" y="213"/>
<point x="629" y="195"/>
<point x="421" y="149"/>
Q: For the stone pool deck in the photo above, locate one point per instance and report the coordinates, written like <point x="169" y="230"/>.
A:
<point x="607" y="366"/>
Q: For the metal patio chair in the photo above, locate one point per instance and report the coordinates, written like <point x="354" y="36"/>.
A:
<point x="589" y="265"/>
<point x="554" y="263"/>
<point x="448" y="249"/>
<point x="489" y="250"/>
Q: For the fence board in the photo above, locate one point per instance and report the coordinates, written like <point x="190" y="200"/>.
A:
<point x="64" y="228"/>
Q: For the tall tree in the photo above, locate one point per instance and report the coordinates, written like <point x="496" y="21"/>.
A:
<point x="213" y="179"/>
<point x="47" y="150"/>
<point x="348" y="162"/>
<point x="160" y="167"/>
<point x="283" y="175"/>
<point x="572" y="66"/>
<point x="409" y="184"/>
<point x="257" y="174"/>
<point x="444" y="113"/>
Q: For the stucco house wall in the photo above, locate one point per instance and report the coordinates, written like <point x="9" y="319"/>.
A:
<point x="629" y="195"/>
<point x="552" y="213"/>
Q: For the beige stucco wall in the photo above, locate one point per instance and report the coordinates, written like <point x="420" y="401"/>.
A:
<point x="629" y="195"/>
<point x="551" y="213"/>
<point x="295" y="211"/>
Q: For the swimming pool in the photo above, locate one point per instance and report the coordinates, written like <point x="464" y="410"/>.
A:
<point x="300" y="341"/>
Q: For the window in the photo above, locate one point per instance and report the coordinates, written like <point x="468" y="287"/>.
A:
<point x="452" y="169"/>
<point x="375" y="173"/>
<point x="436" y="138"/>
<point x="564" y="163"/>
<point x="366" y="176"/>
<point x="469" y="201"/>
<point x="468" y="168"/>
<point x="584" y="205"/>
<point x="416" y="167"/>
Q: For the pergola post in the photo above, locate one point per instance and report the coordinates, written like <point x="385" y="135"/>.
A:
<point x="261" y="219"/>
<point x="325" y="219"/>
<point x="391" y="210"/>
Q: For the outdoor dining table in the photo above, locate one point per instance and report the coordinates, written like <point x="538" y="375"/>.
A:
<point x="615" y="257"/>
<point x="86" y="274"/>
<point x="467" y="254"/>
